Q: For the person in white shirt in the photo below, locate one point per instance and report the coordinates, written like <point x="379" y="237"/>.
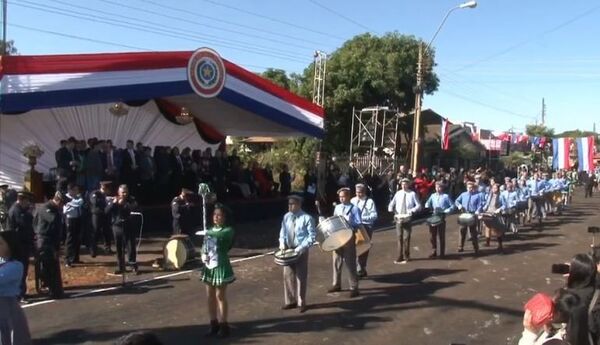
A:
<point x="368" y="215"/>
<point x="404" y="204"/>
<point x="73" y="212"/>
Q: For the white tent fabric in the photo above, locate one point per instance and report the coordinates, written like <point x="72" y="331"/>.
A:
<point x="46" y="127"/>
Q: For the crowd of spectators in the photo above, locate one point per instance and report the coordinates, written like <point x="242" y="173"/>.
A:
<point x="155" y="175"/>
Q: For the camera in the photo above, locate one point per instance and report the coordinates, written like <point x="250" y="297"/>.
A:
<point x="594" y="229"/>
<point x="561" y="268"/>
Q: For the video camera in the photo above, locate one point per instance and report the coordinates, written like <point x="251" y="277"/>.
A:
<point x="595" y="253"/>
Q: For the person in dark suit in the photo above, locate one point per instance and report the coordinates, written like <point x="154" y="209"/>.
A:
<point x="100" y="220"/>
<point x="120" y="209"/>
<point x="177" y="169"/>
<point x="110" y="162"/>
<point x="130" y="163"/>
<point x="182" y="212"/>
<point x="59" y="154"/>
<point x="67" y="160"/>
<point x="20" y="220"/>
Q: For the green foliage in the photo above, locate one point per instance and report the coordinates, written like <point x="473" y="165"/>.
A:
<point x="515" y="159"/>
<point x="8" y="47"/>
<point x="278" y="76"/>
<point x="368" y="70"/>
<point x="576" y="134"/>
<point x="539" y="131"/>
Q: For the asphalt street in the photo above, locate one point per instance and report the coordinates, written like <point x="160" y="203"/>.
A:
<point x="462" y="299"/>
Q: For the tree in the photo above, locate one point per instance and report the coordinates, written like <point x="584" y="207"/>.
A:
<point x="576" y="134"/>
<point x="539" y="131"/>
<point x="368" y="70"/>
<point x="278" y="76"/>
<point x="8" y="47"/>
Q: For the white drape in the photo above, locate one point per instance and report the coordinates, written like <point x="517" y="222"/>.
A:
<point x="48" y="126"/>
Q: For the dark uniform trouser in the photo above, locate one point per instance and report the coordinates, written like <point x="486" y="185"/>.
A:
<point x="295" y="280"/>
<point x="589" y="190"/>
<point x="124" y="236"/>
<point x="474" y="239"/>
<point x="73" y="241"/>
<point x="100" y="228"/>
<point x="362" y="259"/>
<point x="24" y="259"/>
<point x="346" y="255"/>
<point x="435" y="231"/>
<point x="403" y="232"/>
<point x="49" y="267"/>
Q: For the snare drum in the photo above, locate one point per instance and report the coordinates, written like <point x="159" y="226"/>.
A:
<point x="286" y="257"/>
<point x="492" y="222"/>
<point x="466" y="219"/>
<point x="333" y="233"/>
<point x="402" y="218"/>
<point x="178" y="250"/>
<point x="435" y="220"/>
<point x="522" y="206"/>
<point x="363" y="241"/>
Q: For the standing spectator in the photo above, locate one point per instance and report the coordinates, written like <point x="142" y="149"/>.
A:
<point x="130" y="167"/>
<point x="73" y="210"/>
<point x="176" y="170"/>
<point x="13" y="323"/>
<point x="285" y="180"/>
<point x="423" y="186"/>
<point x="93" y="167"/>
<point x="147" y="173"/>
<point x="110" y="162"/>
<point x="59" y="156"/>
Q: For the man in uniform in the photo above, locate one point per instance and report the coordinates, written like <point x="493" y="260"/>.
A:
<point x="100" y="220"/>
<point x="182" y="212"/>
<point x="7" y="199"/>
<point x="403" y="205"/>
<point x="441" y="205"/>
<point x="297" y="233"/>
<point x="20" y="220"/>
<point x="48" y="226"/>
<point x="347" y="253"/>
<point x="471" y="201"/>
<point x="368" y="216"/>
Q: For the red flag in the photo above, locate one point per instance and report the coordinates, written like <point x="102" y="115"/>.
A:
<point x="445" y="135"/>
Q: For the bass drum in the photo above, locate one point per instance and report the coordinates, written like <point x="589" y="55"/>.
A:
<point x="178" y="250"/>
<point x="333" y="233"/>
<point x="363" y="241"/>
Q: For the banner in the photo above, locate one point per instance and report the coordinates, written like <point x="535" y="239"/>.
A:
<point x="560" y="157"/>
<point x="585" y="153"/>
<point x="445" y="135"/>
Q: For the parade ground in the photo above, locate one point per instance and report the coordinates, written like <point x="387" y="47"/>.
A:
<point x="459" y="300"/>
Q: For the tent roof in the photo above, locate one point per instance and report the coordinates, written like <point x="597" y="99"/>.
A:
<point x="248" y="105"/>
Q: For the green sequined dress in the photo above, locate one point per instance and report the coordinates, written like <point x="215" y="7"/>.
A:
<point x="223" y="273"/>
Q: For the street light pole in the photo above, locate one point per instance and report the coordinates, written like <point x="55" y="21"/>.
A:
<point x="419" y="89"/>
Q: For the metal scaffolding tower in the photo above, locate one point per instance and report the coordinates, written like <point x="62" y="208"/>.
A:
<point x="319" y="78"/>
<point x="374" y="145"/>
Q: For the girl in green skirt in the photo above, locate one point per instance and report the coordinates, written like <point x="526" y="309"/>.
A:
<point x="217" y="271"/>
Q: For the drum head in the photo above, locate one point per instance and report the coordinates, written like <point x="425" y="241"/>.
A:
<point x="337" y="240"/>
<point x="175" y="253"/>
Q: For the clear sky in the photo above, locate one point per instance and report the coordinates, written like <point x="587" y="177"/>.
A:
<point x="495" y="62"/>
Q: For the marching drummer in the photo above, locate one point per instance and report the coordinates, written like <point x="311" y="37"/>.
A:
<point x="509" y="198"/>
<point x="494" y="205"/>
<point x="347" y="253"/>
<point x="471" y="202"/>
<point x="441" y="205"/>
<point x="368" y="215"/>
<point x="404" y="204"/>
<point x="297" y="233"/>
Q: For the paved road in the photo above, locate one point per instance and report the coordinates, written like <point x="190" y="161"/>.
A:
<point x="461" y="299"/>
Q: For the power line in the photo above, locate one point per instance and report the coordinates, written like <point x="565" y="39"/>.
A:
<point x="150" y="29"/>
<point x="526" y="41"/>
<point x="206" y="25"/>
<point x="486" y="105"/>
<point x="75" y="37"/>
<point x="220" y="20"/>
<point x="258" y="15"/>
<point x="348" y="19"/>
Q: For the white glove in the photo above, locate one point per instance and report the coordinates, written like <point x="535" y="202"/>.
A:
<point x="497" y="211"/>
<point x="201" y="233"/>
<point x="281" y="246"/>
<point x="297" y="250"/>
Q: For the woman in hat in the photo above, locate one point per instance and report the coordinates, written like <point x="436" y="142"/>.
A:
<point x="13" y="324"/>
<point x="217" y="272"/>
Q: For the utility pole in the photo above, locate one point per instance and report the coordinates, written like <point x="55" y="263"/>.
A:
<point x="320" y="60"/>
<point x="4" y="8"/>
<point x="543" y="112"/>
<point x="417" y="118"/>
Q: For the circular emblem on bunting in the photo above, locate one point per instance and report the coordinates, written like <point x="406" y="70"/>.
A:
<point x="206" y="72"/>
